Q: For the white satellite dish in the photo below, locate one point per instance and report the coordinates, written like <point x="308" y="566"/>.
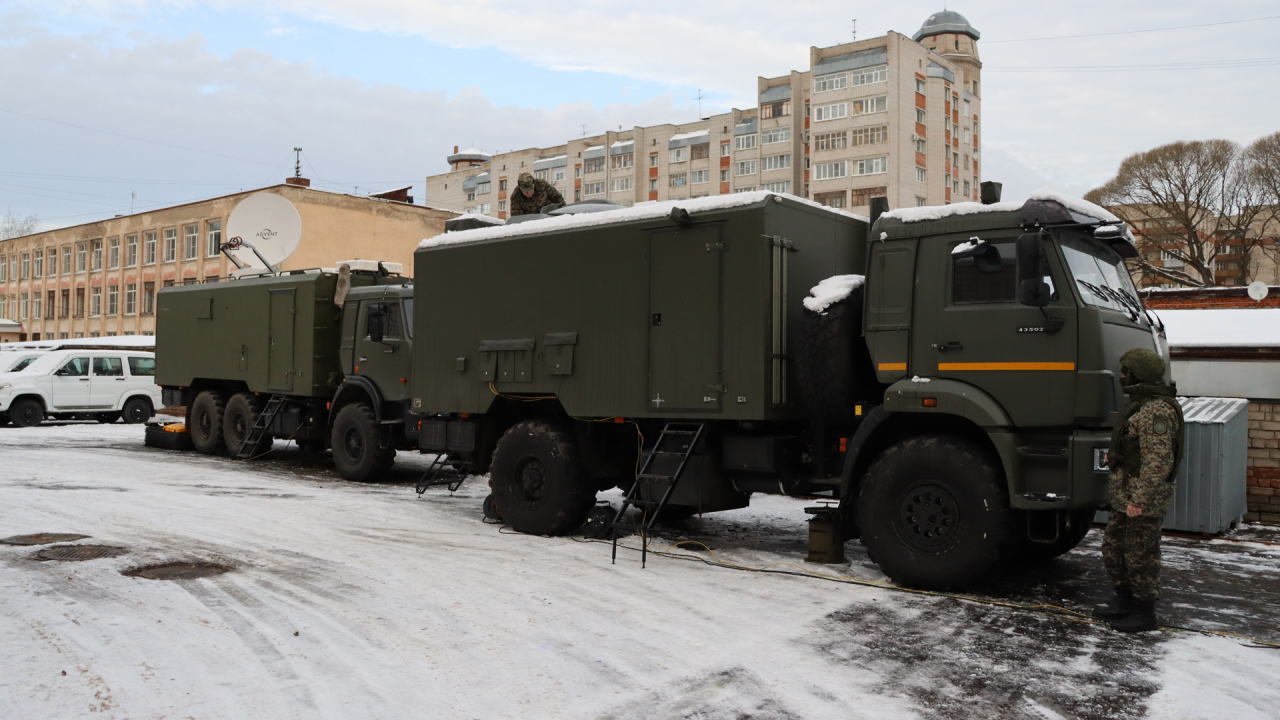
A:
<point x="1258" y="290"/>
<point x="265" y="222"/>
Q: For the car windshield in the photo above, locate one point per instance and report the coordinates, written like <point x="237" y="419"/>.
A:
<point x="22" y="364"/>
<point x="1100" y="274"/>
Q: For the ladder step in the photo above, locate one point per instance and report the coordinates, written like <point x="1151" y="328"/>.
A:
<point x="648" y="476"/>
<point x="681" y="432"/>
<point x="668" y="452"/>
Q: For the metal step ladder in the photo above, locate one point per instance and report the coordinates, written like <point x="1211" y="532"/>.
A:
<point x="678" y="439"/>
<point x="260" y="426"/>
<point x="436" y="475"/>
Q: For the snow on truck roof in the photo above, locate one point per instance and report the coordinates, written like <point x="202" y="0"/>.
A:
<point x="938" y="212"/>
<point x="640" y="211"/>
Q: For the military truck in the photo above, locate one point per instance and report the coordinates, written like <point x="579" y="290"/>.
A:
<point x="956" y="396"/>
<point x="318" y="356"/>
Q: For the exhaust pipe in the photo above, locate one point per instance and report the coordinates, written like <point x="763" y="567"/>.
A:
<point x="879" y="206"/>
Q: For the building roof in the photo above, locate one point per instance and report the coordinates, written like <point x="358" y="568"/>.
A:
<point x="947" y="21"/>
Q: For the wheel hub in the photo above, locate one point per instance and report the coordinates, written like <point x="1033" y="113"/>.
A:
<point x="532" y="479"/>
<point x="928" y="515"/>
<point x="205" y="422"/>
<point x="354" y="443"/>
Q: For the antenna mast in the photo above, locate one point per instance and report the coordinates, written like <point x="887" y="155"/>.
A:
<point x="855" y="29"/>
<point x="297" y="162"/>
<point x="699" y="103"/>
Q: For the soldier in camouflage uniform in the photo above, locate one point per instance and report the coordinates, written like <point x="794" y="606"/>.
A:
<point x="532" y="195"/>
<point x="1146" y="448"/>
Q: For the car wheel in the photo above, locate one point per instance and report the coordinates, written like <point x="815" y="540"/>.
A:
<point x="237" y="422"/>
<point x="107" y="418"/>
<point x="356" y="448"/>
<point x="26" y="412"/>
<point x="204" y="422"/>
<point x="537" y="480"/>
<point x="137" y="410"/>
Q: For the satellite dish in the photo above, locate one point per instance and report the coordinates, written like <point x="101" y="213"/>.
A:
<point x="265" y="222"/>
<point x="1258" y="290"/>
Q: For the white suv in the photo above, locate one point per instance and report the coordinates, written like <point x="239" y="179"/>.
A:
<point x="102" y="384"/>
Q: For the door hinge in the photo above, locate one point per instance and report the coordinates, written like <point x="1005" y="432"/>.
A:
<point x="715" y="246"/>
<point x="718" y="388"/>
<point x="779" y="241"/>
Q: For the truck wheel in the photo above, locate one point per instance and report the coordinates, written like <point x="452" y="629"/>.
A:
<point x="1068" y="539"/>
<point x="832" y="361"/>
<point x="355" y="444"/>
<point x="137" y="410"/>
<point x="537" y="479"/>
<point x="237" y="421"/>
<point x="933" y="513"/>
<point x="106" y="418"/>
<point x="204" y="422"/>
<point x="26" y="413"/>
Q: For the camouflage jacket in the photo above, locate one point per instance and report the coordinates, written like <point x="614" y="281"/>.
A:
<point x="1154" y="430"/>
<point x="543" y="194"/>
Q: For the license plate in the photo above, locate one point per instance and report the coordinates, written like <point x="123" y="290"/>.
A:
<point x="1100" y="459"/>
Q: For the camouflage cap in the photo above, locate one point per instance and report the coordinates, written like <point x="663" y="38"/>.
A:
<point x="1143" y="364"/>
<point x="525" y="182"/>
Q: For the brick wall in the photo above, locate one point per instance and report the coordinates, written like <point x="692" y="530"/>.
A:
<point x="1217" y="298"/>
<point x="1264" y="463"/>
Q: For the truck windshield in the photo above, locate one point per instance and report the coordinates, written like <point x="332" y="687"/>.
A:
<point x="408" y="317"/>
<point x="1100" y="274"/>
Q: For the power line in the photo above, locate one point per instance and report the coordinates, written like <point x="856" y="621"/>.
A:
<point x="1133" y="32"/>
<point x="1197" y="65"/>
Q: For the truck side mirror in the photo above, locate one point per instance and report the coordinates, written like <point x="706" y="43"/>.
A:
<point x="1032" y="289"/>
<point x="375" y="323"/>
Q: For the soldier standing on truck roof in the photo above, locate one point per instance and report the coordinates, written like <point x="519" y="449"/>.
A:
<point x="532" y="195"/>
<point x="1146" y="448"/>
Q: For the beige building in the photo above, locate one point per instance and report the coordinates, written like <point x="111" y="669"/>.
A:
<point x="893" y="115"/>
<point x="100" y="279"/>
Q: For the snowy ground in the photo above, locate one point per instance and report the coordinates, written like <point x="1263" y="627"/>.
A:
<point x="363" y="601"/>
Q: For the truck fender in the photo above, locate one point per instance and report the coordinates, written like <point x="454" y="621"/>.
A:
<point x="350" y="391"/>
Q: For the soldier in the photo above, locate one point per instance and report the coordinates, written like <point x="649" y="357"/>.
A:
<point x="1146" y="448"/>
<point x="532" y="195"/>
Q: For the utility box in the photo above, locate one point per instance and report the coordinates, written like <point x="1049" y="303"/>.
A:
<point x="1212" y="488"/>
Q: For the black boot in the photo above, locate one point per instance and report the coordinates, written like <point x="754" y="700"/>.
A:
<point x="1142" y="618"/>
<point x="1120" y="606"/>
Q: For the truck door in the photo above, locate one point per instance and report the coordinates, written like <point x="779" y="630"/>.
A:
<point x="969" y="326"/>
<point x="890" y="287"/>
<point x="387" y="361"/>
<point x="280" y="368"/>
<point x="685" y="318"/>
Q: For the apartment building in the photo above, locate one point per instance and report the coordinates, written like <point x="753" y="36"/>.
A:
<point x="100" y="279"/>
<point x="894" y="115"/>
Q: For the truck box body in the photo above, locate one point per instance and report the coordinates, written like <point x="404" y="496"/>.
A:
<point x="276" y="334"/>
<point x="653" y="318"/>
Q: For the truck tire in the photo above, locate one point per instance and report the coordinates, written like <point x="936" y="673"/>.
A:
<point x="355" y="444"/>
<point x="832" y="361"/>
<point x="934" y="514"/>
<point x="537" y="479"/>
<point x="204" y="422"/>
<point x="26" y="412"/>
<point x="1068" y="538"/>
<point x="137" y="411"/>
<point x="237" y="421"/>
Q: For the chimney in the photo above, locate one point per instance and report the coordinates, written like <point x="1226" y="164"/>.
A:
<point x="455" y="149"/>
<point x="299" y="181"/>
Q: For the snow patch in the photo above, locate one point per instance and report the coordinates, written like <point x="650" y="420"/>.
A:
<point x="1222" y="327"/>
<point x="831" y="291"/>
<point x="1077" y="205"/>
<point x="965" y="246"/>
<point x="939" y="212"/>
<point x="694" y="134"/>
<point x="640" y="211"/>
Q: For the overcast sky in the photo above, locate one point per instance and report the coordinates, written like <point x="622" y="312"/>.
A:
<point x="111" y="104"/>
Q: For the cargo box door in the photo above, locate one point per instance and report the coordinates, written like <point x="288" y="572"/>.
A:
<point x="280" y="368"/>
<point x="685" y="319"/>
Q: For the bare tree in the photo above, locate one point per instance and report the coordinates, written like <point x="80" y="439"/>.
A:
<point x="1192" y="200"/>
<point x="1264" y="157"/>
<point x="12" y="226"/>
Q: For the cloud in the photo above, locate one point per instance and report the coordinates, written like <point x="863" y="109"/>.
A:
<point x="283" y="31"/>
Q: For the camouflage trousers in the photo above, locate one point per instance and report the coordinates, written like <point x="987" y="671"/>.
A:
<point x="1131" y="552"/>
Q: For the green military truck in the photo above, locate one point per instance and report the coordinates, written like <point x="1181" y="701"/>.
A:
<point x="955" y="391"/>
<point x="322" y="357"/>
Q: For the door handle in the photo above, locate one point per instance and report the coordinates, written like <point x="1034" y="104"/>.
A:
<point x="120" y="379"/>
<point x="950" y="345"/>
<point x="84" y="379"/>
<point x="363" y="359"/>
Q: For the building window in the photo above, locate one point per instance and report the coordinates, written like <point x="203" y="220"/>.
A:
<point x="745" y="167"/>
<point x="826" y="83"/>
<point x="537" y="175"/>
<point x="51" y="262"/>
<point x="744" y="142"/>
<point x="920" y="87"/>
<point x="862" y="196"/>
<point x="95" y="301"/>
<point x="724" y="149"/>
<point x="36" y="306"/>
<point x="870" y="75"/>
<point x="471" y="195"/>
<point x="502" y="205"/>
<point x="625" y="160"/>
<point x="593" y="188"/>
<point x="148" y="298"/>
<point x="869" y="166"/>
<point x="782" y="186"/>
<point x="620" y="184"/>
<point x="191" y="241"/>
<point x="778" y="109"/>
<point x="678" y="155"/>
<point x="697" y="177"/>
<point x="775" y="162"/>
<point x="653" y="160"/>
<point x="79" y="302"/>
<point x="921" y="175"/>
<point x="830" y="170"/>
<point x="113" y="299"/>
<point x="131" y="251"/>
<point x="966" y="108"/>
<point x="22" y="308"/>
<point x="678" y="179"/>
<point x="113" y="253"/>
<point x="502" y="185"/>
<point x="149" y="248"/>
<point x="4" y="271"/>
<point x="724" y="176"/>
<point x="37" y="264"/>
<point x="776" y="135"/>
<point x="66" y="259"/>
<point x="96" y="254"/>
<point x="966" y="188"/>
<point x="556" y="176"/>
<point x="64" y="307"/>
<point x="749" y="188"/>
<point x="866" y="106"/>
<point x="921" y="146"/>
<point x="700" y="152"/>
<point x="170" y="245"/>
<point x="920" y="117"/>
<point x="870" y="135"/>
<point x="966" y="136"/>
<point x="483" y="188"/>
<point x="831" y="140"/>
<point x="593" y="165"/>
<point x="835" y="111"/>
<point x="213" y="238"/>
<point x="653" y="186"/>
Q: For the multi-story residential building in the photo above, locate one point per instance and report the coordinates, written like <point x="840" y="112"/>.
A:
<point x="894" y="115"/>
<point x="100" y="279"/>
